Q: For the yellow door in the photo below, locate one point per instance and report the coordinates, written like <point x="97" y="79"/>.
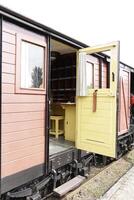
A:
<point x="96" y="99"/>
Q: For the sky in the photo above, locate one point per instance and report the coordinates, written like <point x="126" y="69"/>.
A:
<point x="90" y="21"/>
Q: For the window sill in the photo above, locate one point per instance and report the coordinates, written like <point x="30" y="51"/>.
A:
<point x="30" y="91"/>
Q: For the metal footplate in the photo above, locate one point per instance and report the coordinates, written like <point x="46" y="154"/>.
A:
<point x="68" y="186"/>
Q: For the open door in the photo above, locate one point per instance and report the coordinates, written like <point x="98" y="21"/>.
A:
<point x="96" y="102"/>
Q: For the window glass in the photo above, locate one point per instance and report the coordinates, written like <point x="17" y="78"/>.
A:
<point x="32" y="65"/>
<point x="89" y="75"/>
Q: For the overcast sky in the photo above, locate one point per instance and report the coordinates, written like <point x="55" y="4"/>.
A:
<point x="90" y="21"/>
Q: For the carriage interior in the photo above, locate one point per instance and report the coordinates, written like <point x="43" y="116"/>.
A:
<point x="62" y="97"/>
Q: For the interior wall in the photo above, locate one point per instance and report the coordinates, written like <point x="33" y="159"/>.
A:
<point x="63" y="78"/>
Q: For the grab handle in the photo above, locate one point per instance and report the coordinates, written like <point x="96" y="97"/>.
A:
<point x="95" y="100"/>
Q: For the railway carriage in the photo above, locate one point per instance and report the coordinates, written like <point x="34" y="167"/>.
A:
<point x="62" y="104"/>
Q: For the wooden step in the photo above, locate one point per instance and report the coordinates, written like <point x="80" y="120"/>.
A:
<point x="68" y="186"/>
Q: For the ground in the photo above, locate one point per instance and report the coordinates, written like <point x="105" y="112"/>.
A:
<point x="123" y="189"/>
<point x="117" y="179"/>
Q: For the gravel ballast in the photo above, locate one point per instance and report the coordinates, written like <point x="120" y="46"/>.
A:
<point x="97" y="186"/>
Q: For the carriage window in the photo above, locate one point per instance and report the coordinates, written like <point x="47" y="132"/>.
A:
<point x="97" y="74"/>
<point x="89" y="75"/>
<point x="32" y="65"/>
<point x="93" y="73"/>
<point x="103" y="74"/>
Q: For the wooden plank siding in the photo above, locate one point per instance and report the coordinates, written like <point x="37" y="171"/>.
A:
<point x="104" y="75"/>
<point x="20" y="164"/>
<point x="20" y="135"/>
<point x="8" y="68"/>
<point x="23" y="137"/>
<point x="124" y="103"/>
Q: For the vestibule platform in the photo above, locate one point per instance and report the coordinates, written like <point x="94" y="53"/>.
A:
<point x="58" y="145"/>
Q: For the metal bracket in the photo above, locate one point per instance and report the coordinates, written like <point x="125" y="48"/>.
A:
<point x="36" y="196"/>
<point x="21" y="193"/>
